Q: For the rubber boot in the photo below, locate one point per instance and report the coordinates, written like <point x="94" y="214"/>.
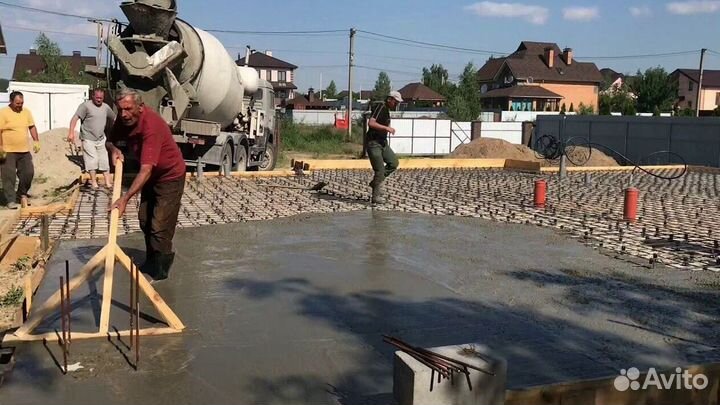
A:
<point x="150" y="267"/>
<point x="378" y="194"/>
<point x="165" y="262"/>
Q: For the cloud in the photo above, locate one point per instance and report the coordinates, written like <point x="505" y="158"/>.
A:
<point x="693" y="7"/>
<point x="640" y="11"/>
<point x="581" y="13"/>
<point x="534" y="14"/>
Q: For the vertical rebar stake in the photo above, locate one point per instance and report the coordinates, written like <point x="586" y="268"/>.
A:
<point x="67" y="300"/>
<point x="137" y="318"/>
<point x="131" y="303"/>
<point x="62" y="321"/>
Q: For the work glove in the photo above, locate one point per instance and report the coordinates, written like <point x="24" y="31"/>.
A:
<point x="36" y="146"/>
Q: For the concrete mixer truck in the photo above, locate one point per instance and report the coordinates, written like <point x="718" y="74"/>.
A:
<point x="221" y="114"/>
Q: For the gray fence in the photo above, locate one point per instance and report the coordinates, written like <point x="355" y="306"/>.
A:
<point x="697" y="140"/>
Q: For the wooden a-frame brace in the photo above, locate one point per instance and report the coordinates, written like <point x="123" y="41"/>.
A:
<point x="107" y="256"/>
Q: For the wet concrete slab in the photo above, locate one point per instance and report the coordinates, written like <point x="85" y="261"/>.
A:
<point x="293" y="311"/>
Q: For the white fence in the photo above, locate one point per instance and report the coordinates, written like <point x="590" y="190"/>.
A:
<point x="427" y="137"/>
<point x="507" y="131"/>
<point x="52" y="105"/>
<point x="319" y="117"/>
<point x="327" y="117"/>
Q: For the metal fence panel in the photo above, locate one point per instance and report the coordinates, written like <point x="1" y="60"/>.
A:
<point x="697" y="140"/>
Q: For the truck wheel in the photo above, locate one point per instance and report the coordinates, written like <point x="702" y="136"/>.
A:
<point x="241" y="165"/>
<point x="269" y="158"/>
<point x="226" y="160"/>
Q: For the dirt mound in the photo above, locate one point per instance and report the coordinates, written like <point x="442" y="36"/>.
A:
<point x="597" y="158"/>
<point x="488" y="148"/>
<point x="55" y="166"/>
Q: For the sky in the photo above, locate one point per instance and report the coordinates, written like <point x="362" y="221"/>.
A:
<point x="603" y="32"/>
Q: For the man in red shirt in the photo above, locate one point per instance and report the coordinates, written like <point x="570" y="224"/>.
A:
<point x="161" y="179"/>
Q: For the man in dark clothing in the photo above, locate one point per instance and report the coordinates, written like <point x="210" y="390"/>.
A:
<point x="161" y="179"/>
<point x="382" y="158"/>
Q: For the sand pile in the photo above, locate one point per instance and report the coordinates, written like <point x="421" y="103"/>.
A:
<point x="488" y="148"/>
<point x="55" y="166"/>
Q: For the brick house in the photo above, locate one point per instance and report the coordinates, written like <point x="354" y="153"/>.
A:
<point x="31" y="63"/>
<point x="420" y="94"/>
<point x="538" y="76"/>
<point x="687" y="81"/>
<point x="278" y="72"/>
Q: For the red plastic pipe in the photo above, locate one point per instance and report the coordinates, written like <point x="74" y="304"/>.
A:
<point x="540" y="193"/>
<point x="631" y="202"/>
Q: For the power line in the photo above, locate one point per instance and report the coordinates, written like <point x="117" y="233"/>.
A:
<point x="654" y="55"/>
<point x="389" y="70"/>
<point x="219" y="31"/>
<point x="11" y="27"/>
<point x="57" y="13"/>
<point x="450" y="47"/>
<point x="281" y="33"/>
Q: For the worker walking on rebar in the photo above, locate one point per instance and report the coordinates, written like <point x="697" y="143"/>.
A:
<point x="382" y="158"/>
<point x="161" y="179"/>
<point x="94" y="116"/>
<point x="16" y="162"/>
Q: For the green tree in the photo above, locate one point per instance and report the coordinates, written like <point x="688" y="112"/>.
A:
<point x="464" y="103"/>
<point x="382" y="87"/>
<point x="436" y="77"/>
<point x="585" y="109"/>
<point x="563" y="110"/>
<point x="572" y="107"/>
<point x="618" y="100"/>
<point x="56" y="70"/>
<point x="4" y="83"/>
<point x="655" y="90"/>
<point x="331" y="90"/>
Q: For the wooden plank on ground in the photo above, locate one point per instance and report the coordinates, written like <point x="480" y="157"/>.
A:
<point x="609" y="168"/>
<point x="53" y="337"/>
<point x="341" y="164"/>
<point x="524" y="165"/>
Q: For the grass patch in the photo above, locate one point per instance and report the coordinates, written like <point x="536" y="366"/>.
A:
<point x="22" y="264"/>
<point x="319" y="140"/>
<point x="12" y="298"/>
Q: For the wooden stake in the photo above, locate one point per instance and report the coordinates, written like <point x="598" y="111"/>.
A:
<point x="110" y="254"/>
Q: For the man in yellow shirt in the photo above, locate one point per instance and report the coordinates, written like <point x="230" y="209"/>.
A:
<point x="15" y="158"/>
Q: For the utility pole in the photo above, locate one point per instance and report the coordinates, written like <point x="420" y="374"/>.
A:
<point x="351" y="62"/>
<point x="700" y="83"/>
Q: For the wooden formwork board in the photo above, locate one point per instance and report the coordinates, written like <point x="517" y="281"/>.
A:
<point x="55" y="336"/>
<point x="610" y="168"/>
<point x="65" y="207"/>
<point x="340" y="164"/>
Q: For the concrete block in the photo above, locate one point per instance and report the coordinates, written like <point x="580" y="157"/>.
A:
<point x="411" y="379"/>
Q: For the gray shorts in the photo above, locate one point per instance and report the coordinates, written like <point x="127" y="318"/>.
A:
<point x="95" y="155"/>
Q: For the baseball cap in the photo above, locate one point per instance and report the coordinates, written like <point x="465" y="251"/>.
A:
<point x="396" y="95"/>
